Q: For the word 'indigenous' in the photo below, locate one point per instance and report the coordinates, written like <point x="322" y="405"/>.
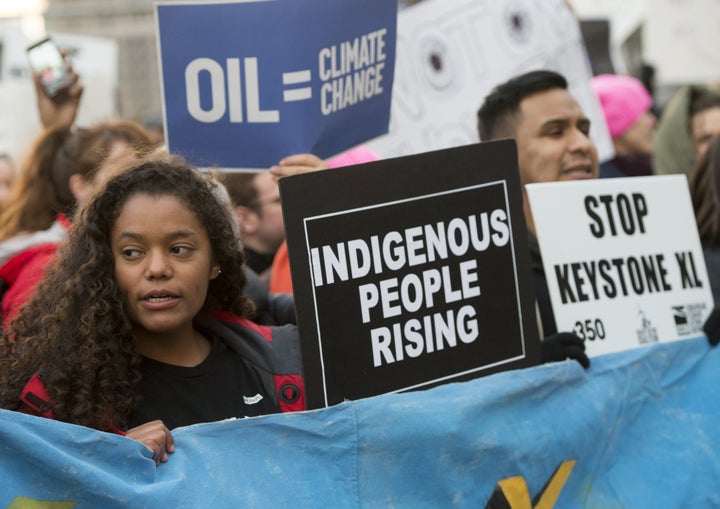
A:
<point x="414" y="246"/>
<point x="352" y="71"/>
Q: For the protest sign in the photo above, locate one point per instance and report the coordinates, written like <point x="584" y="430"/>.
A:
<point x="623" y="260"/>
<point x="94" y="59"/>
<point x="410" y="272"/>
<point x="451" y="54"/>
<point x="637" y="430"/>
<point x="248" y="83"/>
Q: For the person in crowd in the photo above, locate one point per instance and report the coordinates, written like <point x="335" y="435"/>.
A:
<point x="62" y="109"/>
<point x="704" y="184"/>
<point x="60" y="174"/>
<point x="627" y="107"/>
<point x="689" y="121"/>
<point x="153" y="124"/>
<point x="553" y="143"/>
<point x="7" y="177"/>
<point x="270" y="309"/>
<point x="256" y="199"/>
<point x="280" y="279"/>
<point x="142" y="326"/>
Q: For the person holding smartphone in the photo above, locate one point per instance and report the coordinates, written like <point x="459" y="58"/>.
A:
<point x="57" y="86"/>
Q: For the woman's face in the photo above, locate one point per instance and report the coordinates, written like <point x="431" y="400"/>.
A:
<point x="638" y="139"/>
<point x="163" y="263"/>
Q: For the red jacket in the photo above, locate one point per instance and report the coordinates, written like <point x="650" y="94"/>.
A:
<point x="20" y="275"/>
<point x="23" y="272"/>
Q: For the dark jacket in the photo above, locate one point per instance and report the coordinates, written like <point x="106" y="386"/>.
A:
<point x="542" y="294"/>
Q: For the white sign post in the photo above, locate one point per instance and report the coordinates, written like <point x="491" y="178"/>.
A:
<point x="623" y="260"/>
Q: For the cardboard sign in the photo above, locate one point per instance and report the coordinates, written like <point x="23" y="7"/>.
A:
<point x="623" y="260"/>
<point x="410" y="272"/>
<point x="451" y="54"/>
<point x="248" y="83"/>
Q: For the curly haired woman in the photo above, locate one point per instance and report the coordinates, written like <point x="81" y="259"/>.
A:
<point x="140" y="326"/>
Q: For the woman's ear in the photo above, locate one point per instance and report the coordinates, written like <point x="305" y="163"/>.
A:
<point x="215" y="271"/>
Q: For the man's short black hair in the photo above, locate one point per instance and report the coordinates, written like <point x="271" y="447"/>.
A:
<point x="503" y="103"/>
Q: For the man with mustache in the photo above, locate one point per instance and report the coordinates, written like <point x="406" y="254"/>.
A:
<point x="552" y="136"/>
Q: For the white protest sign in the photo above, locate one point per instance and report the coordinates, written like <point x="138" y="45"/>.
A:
<point x="451" y="54"/>
<point x="623" y="260"/>
<point x="680" y="40"/>
<point x="93" y="58"/>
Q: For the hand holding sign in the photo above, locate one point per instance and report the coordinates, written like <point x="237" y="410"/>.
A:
<point x="297" y="164"/>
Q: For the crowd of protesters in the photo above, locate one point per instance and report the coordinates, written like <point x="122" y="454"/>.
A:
<point x="139" y="294"/>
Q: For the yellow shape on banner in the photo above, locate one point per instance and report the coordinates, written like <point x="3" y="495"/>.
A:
<point x="513" y="493"/>
<point x="31" y="503"/>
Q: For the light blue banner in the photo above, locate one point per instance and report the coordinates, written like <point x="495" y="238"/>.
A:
<point x="248" y="83"/>
<point x="638" y="429"/>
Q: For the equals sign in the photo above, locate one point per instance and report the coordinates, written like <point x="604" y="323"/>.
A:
<point x="296" y="78"/>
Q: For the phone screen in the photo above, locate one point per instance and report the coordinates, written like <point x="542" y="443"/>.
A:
<point x="47" y="61"/>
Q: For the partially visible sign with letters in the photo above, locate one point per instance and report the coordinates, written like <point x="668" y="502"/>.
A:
<point x="623" y="260"/>
<point x="248" y="83"/>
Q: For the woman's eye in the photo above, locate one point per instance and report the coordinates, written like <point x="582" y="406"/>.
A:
<point x="130" y="253"/>
<point x="181" y="250"/>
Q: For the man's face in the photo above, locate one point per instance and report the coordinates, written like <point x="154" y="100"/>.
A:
<point x="552" y="139"/>
<point x="704" y="125"/>
<point x="270" y="229"/>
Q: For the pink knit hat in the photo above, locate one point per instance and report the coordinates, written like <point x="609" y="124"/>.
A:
<point x="358" y="155"/>
<point x="623" y="98"/>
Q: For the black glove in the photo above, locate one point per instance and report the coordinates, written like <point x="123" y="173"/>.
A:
<point x="561" y="346"/>
<point x="711" y="327"/>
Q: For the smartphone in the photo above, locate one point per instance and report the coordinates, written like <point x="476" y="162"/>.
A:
<point x="46" y="60"/>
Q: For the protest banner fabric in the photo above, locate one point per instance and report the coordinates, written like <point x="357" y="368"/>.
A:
<point x="638" y="429"/>
<point x="248" y="83"/>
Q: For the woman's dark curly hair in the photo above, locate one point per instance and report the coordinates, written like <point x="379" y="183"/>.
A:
<point x="76" y="331"/>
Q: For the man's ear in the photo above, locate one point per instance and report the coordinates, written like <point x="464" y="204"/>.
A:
<point x="248" y="220"/>
<point x="80" y="188"/>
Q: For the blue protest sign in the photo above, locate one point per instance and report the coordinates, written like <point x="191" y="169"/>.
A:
<point x="247" y="83"/>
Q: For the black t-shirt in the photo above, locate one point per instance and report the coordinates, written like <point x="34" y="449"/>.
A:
<point x="220" y="387"/>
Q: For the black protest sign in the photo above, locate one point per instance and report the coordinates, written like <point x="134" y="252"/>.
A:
<point x="410" y="272"/>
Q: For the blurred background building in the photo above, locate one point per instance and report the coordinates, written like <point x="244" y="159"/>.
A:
<point x="131" y="23"/>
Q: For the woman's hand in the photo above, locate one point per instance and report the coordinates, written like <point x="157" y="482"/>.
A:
<point x="157" y="437"/>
